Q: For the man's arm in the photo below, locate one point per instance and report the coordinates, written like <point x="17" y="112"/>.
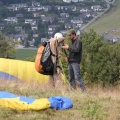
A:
<point x="75" y="47"/>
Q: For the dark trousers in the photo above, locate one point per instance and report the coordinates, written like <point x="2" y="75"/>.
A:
<point x="74" y="75"/>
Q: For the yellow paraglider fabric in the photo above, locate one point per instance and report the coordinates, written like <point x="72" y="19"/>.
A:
<point x="22" y="70"/>
<point x="15" y="103"/>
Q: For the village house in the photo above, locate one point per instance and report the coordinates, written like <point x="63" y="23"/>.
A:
<point x="17" y="37"/>
<point x="62" y="20"/>
<point x="35" y="35"/>
<point x="18" y="28"/>
<point x="11" y="8"/>
<point x="84" y="9"/>
<point x="11" y="20"/>
<point x="43" y="40"/>
<point x="34" y="27"/>
<point x="35" y="4"/>
<point x="30" y="21"/>
<point x="72" y="8"/>
<point x="74" y="26"/>
<point x="108" y="1"/>
<point x="66" y="8"/>
<point x="15" y="7"/>
<point x="74" y="0"/>
<point x="46" y="8"/>
<point x="110" y="38"/>
<point x="57" y="7"/>
<point x="32" y="9"/>
<point x="67" y="1"/>
<point x="52" y="29"/>
<point x="20" y="5"/>
<point x="1" y="26"/>
<point x="68" y="26"/>
<point x="19" y="15"/>
<point x="50" y="32"/>
<point x="47" y="19"/>
<point x="78" y="32"/>
<point x="76" y="20"/>
<point x="86" y="15"/>
<point x="81" y="0"/>
<point x="65" y="15"/>
<point x="31" y="43"/>
<point x="79" y="25"/>
<point x="36" y="14"/>
<point x="63" y="31"/>
<point x="96" y="8"/>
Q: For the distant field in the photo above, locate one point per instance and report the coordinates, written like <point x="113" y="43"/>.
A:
<point x="108" y="21"/>
<point x="22" y="54"/>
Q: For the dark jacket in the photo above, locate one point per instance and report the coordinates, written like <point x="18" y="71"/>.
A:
<point x="75" y="51"/>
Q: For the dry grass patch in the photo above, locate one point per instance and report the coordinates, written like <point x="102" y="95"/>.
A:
<point x="94" y="104"/>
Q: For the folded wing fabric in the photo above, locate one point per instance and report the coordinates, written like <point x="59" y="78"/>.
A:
<point x="10" y="100"/>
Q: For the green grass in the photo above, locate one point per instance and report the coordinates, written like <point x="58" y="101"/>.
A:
<point x="22" y="54"/>
<point x="108" y="21"/>
<point x="95" y="104"/>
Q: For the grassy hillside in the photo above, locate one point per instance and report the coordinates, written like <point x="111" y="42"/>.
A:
<point x="108" y="21"/>
<point x="22" y="54"/>
<point x="95" y="104"/>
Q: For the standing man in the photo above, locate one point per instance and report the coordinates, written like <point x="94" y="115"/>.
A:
<point x="74" y="59"/>
<point x="56" y="79"/>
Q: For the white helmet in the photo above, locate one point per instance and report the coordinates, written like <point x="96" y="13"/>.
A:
<point x="58" y="35"/>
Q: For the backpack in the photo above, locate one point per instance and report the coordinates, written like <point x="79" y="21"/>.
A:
<point x="43" y="60"/>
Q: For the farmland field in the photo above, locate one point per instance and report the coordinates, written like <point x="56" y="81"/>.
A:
<point x="22" y="54"/>
<point x="108" y="22"/>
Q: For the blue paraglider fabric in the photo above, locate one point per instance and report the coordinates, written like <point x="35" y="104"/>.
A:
<point x="7" y="76"/>
<point x="60" y="103"/>
<point x="11" y="95"/>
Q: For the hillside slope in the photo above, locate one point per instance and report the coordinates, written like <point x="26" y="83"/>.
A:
<point x="108" y="21"/>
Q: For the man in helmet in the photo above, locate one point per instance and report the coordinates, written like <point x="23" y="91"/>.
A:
<point x="55" y="42"/>
<point x="74" y="59"/>
<point x="58" y="35"/>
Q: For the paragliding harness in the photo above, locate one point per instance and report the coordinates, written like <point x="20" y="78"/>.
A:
<point x="43" y="60"/>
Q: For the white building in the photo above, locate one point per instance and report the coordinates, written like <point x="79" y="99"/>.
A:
<point x="67" y="1"/>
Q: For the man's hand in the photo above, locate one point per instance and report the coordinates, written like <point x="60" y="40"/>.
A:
<point x="59" y="54"/>
<point x="66" y="59"/>
<point x="65" y="46"/>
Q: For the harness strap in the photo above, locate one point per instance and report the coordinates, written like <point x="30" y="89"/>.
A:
<point x="53" y="54"/>
<point x="65" y="52"/>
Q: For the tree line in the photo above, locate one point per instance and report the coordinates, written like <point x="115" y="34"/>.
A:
<point x="101" y="60"/>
